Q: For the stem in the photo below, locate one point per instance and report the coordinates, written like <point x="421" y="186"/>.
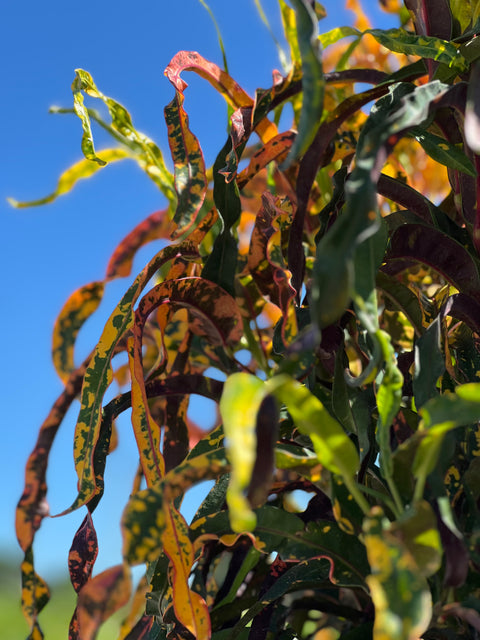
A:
<point x="356" y="493"/>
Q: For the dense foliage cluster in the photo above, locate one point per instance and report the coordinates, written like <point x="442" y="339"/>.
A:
<point x="343" y="256"/>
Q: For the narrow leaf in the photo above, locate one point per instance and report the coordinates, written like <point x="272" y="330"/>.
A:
<point x="157" y="225"/>
<point x="78" y="308"/>
<point x="242" y="396"/>
<point x="429" y="363"/>
<point x="98" y="375"/>
<point x="144" y="150"/>
<point x="445" y="153"/>
<point x="190" y="178"/>
<point x="190" y="608"/>
<point x="32" y="506"/>
<point x="83" y="553"/>
<point x="100" y="598"/>
<point x="232" y="92"/>
<point x="313" y="81"/>
<point x="144" y="519"/>
<point x="275" y="149"/>
<point x="331" y="444"/>
<point x="35" y="593"/>
<point x="78" y="171"/>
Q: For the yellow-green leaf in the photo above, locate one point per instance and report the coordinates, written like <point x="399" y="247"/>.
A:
<point x="78" y="171"/>
<point x="400" y="593"/>
<point x="333" y="447"/>
<point x="241" y="398"/>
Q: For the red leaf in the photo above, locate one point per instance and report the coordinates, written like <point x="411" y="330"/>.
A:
<point x="83" y="553"/>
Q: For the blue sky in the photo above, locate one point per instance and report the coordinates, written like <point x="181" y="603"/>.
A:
<point x="50" y="251"/>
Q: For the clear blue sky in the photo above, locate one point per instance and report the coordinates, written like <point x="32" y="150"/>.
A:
<point x="48" y="252"/>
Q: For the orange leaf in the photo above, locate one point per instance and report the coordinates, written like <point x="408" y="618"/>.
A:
<point x="157" y="225"/>
<point x="227" y="87"/>
<point x="100" y="598"/>
<point x="190" y="608"/>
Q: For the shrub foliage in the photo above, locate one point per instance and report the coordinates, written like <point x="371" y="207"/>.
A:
<point x="342" y="255"/>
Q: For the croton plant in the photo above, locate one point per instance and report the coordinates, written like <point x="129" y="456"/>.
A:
<point x="343" y="255"/>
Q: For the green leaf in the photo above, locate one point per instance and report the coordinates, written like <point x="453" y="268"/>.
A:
<point x="144" y="150"/>
<point x="333" y="448"/>
<point x="444" y="152"/>
<point x="439" y="416"/>
<point x="313" y="81"/>
<point x="417" y="530"/>
<point x="336" y="34"/>
<point x="400" y="593"/>
<point x="221" y="265"/>
<point x="429" y="363"/>
<point x="242" y="396"/>
<point x="422" y="46"/>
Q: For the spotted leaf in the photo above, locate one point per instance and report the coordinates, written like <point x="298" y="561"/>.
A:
<point x="402" y="598"/>
<point x="190" y="178"/>
<point x="78" y="308"/>
<point x="233" y="93"/>
<point x="190" y="608"/>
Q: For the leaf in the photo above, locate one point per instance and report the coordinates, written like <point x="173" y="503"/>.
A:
<point x="439" y="416"/>
<point x="431" y="18"/>
<point x="98" y="375"/>
<point x="423" y="46"/>
<point x="78" y="171"/>
<point x="146" y="152"/>
<point x="313" y="81"/>
<point x="147" y="431"/>
<point x="35" y="594"/>
<point x="220" y="267"/>
<point x="275" y="149"/>
<point x="156" y="225"/>
<point x="232" y="92"/>
<point x="32" y="506"/>
<point x="100" y="598"/>
<point x="267" y="265"/>
<point x="143" y="521"/>
<point x="78" y="308"/>
<point x="403" y="298"/>
<point x="402" y="598"/>
<point x="439" y="251"/>
<point x="417" y="530"/>
<point x="190" y="608"/>
<point x="190" y="178"/>
<point x="429" y="363"/>
<point x="336" y="34"/>
<point x="266" y="429"/>
<point x="83" y="553"/>
<point x="444" y="152"/>
<point x="242" y="396"/>
<point x="389" y="399"/>
<point x="333" y="448"/>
